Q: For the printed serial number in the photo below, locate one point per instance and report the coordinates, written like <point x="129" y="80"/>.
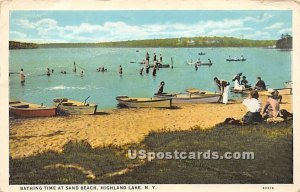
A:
<point x="268" y="188"/>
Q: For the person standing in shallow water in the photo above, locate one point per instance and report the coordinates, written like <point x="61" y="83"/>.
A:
<point x="160" y="59"/>
<point x="22" y="77"/>
<point x="120" y="70"/>
<point x="154" y="71"/>
<point x="48" y="72"/>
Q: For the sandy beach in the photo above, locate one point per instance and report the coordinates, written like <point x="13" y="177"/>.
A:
<point x="118" y="126"/>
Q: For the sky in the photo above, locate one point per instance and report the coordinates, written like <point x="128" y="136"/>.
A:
<point x="107" y="26"/>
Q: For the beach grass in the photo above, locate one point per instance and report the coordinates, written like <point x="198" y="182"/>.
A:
<point x="80" y="163"/>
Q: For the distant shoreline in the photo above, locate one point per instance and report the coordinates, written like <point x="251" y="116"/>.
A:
<point x="183" y="42"/>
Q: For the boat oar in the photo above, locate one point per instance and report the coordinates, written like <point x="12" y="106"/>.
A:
<point x="86" y="100"/>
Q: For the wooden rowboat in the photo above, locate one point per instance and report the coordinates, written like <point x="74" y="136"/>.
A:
<point x="192" y="96"/>
<point x="24" y="109"/>
<point x="125" y="101"/>
<point x="235" y="60"/>
<point x="160" y="65"/>
<point x="281" y="91"/>
<point x="71" y="107"/>
<point x="198" y="63"/>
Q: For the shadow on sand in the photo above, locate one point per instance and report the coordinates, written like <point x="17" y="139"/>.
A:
<point x="79" y="163"/>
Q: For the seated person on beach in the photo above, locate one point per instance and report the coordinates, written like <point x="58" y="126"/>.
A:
<point x="245" y="82"/>
<point x="260" y="85"/>
<point x="272" y="107"/>
<point x="237" y="85"/>
<point x="277" y="96"/>
<point x="253" y="105"/>
<point x="161" y="88"/>
<point x="236" y="76"/>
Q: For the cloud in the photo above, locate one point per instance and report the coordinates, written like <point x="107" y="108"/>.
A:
<point x="258" y="19"/>
<point x="231" y="31"/>
<point x="17" y="35"/>
<point x="274" y="26"/>
<point x="50" y="29"/>
<point x="258" y="34"/>
<point x="286" y="30"/>
<point x="25" y="23"/>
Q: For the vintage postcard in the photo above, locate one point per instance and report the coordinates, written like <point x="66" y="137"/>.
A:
<point x="143" y="95"/>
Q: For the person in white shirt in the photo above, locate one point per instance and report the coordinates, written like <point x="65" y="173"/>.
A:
<point x="22" y="77"/>
<point x="254" y="107"/>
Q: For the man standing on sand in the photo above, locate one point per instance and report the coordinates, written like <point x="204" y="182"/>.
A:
<point x="22" y="77"/>
<point x="224" y="89"/>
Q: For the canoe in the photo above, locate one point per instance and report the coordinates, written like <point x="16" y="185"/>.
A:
<point x="198" y="63"/>
<point x="244" y="91"/>
<point x="24" y="109"/>
<point x="201" y="53"/>
<point x="192" y="96"/>
<point x="71" y="107"/>
<point x="125" y="101"/>
<point x="161" y="66"/>
<point x="235" y="59"/>
<point x="190" y="62"/>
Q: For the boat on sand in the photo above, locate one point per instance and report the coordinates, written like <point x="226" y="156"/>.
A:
<point x="192" y="96"/>
<point x="281" y="91"/>
<point x="125" y="101"/>
<point x="24" y="109"/>
<point x="71" y="107"/>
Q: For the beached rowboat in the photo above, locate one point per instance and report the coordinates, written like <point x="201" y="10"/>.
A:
<point x="25" y="109"/>
<point x="125" y="101"/>
<point x="281" y="91"/>
<point x="71" y="107"/>
<point x="192" y="96"/>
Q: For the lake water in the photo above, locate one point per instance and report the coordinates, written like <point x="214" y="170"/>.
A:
<point x="272" y="65"/>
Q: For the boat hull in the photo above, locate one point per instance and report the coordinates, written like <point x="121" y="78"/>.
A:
<point x="193" y="99"/>
<point x="71" y="107"/>
<point x="208" y="99"/>
<point x="161" y="66"/>
<point x="27" y="112"/>
<point x="281" y="91"/>
<point x="235" y="60"/>
<point x="154" y="103"/>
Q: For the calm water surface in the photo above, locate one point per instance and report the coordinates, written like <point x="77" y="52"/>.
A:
<point x="272" y="65"/>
